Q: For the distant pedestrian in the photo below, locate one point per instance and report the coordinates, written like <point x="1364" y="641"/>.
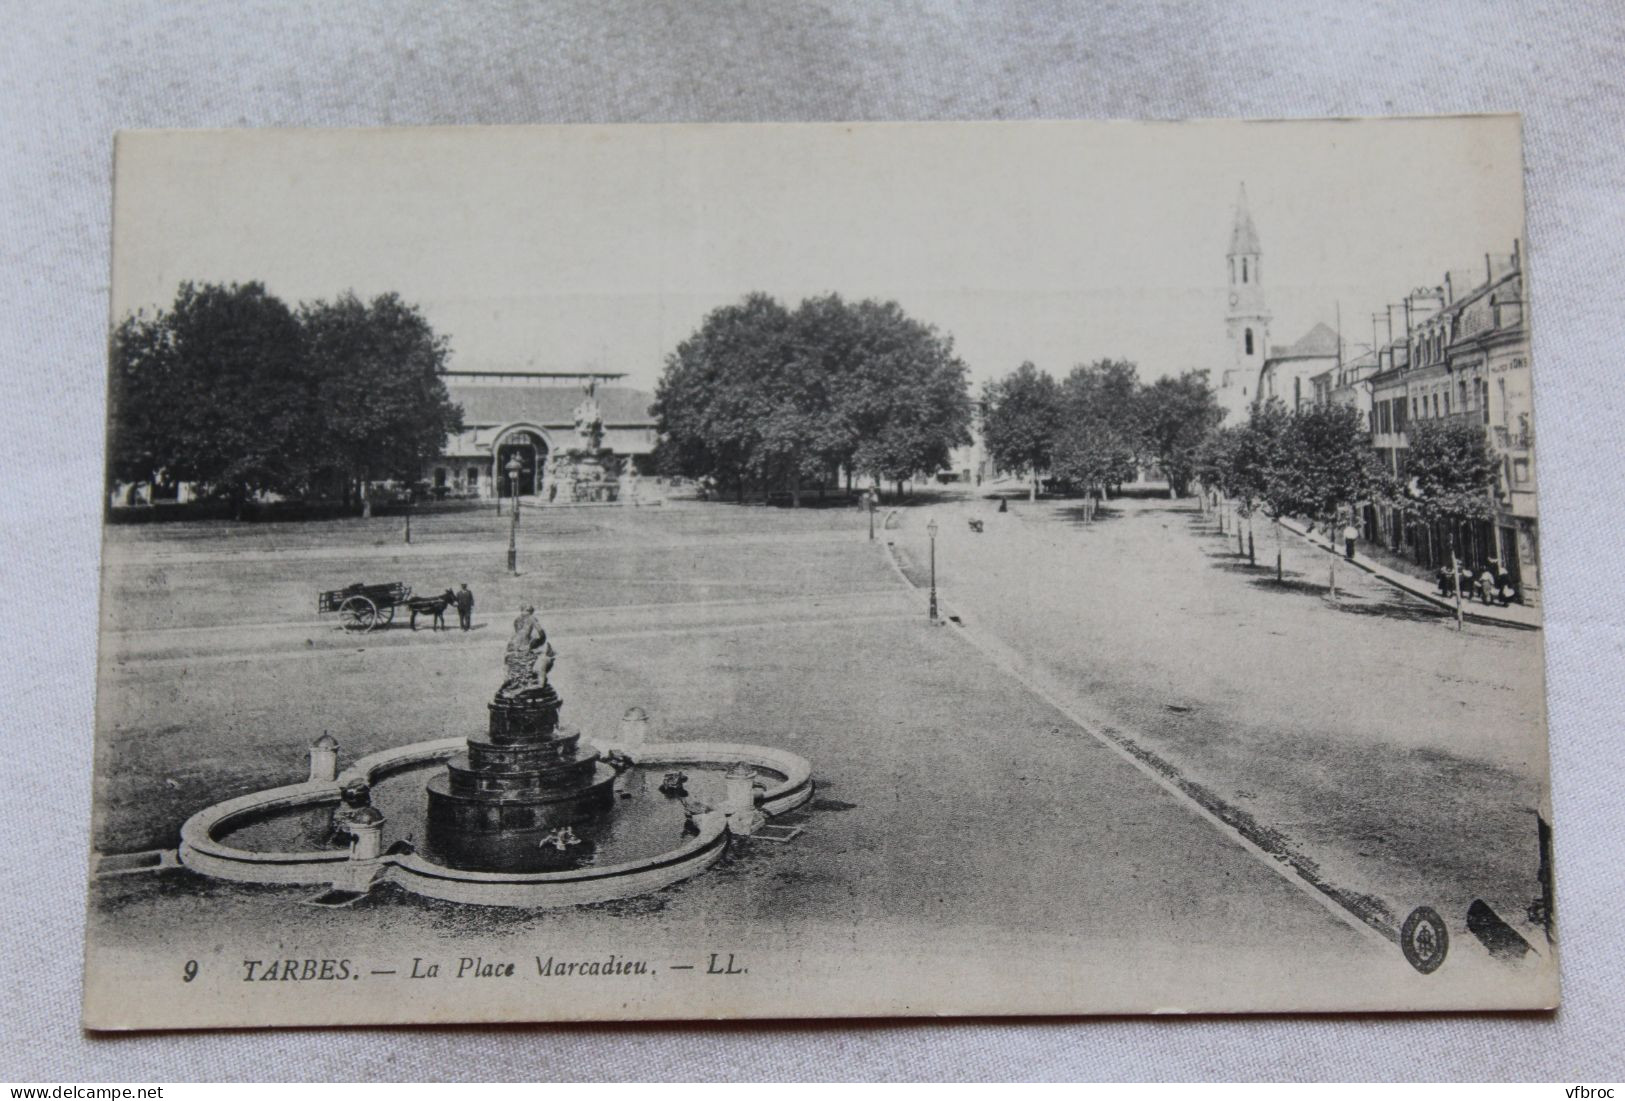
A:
<point x="1350" y="534"/>
<point x="1506" y="589"/>
<point x="465" y="607"/>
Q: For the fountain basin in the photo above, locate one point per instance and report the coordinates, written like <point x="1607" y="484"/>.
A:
<point x="226" y="841"/>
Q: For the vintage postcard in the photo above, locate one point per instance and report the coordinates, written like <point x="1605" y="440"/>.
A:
<point x="789" y="571"/>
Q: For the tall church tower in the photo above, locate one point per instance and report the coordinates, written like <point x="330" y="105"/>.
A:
<point x="1247" y="321"/>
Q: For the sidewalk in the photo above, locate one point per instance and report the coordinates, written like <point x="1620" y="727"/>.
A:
<point x="1513" y="615"/>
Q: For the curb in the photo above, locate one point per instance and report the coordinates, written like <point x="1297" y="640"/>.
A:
<point x="1328" y="896"/>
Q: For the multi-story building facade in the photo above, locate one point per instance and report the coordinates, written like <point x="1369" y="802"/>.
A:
<point x="1463" y="355"/>
<point x="1465" y="358"/>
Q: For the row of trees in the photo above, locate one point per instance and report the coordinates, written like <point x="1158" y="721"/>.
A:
<point x="1094" y="427"/>
<point x="1318" y="463"/>
<point x="765" y="396"/>
<point x="234" y="391"/>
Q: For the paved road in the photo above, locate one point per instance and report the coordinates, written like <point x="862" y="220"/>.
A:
<point x="1381" y="755"/>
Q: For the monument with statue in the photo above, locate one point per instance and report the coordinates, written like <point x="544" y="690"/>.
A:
<point x="588" y="473"/>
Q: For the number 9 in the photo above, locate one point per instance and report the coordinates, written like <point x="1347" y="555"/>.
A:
<point x="190" y="972"/>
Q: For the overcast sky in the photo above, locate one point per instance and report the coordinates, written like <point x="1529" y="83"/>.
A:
<point x="569" y="248"/>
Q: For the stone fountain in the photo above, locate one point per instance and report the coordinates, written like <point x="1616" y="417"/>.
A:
<point x="528" y="777"/>
<point x="526" y="813"/>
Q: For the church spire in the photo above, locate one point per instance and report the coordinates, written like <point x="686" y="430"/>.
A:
<point x="1243" y="235"/>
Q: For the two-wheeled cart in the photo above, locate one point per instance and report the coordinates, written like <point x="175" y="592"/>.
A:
<point x="362" y="607"/>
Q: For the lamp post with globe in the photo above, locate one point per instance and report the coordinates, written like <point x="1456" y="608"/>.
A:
<point x="513" y="468"/>
<point x="931" y="530"/>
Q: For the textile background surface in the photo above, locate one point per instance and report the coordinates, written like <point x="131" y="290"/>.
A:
<point x="73" y="73"/>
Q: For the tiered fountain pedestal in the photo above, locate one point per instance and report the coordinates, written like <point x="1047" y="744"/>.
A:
<point x="528" y="774"/>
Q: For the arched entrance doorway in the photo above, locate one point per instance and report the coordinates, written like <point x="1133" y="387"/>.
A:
<point x="531" y="451"/>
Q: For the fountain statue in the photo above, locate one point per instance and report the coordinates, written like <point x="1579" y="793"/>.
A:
<point x="528" y="777"/>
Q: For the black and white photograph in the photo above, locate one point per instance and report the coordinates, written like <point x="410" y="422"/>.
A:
<point x="703" y="571"/>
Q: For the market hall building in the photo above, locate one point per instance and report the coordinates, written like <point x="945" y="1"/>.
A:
<point x="530" y="415"/>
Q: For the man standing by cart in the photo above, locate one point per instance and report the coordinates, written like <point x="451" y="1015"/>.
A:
<point x="465" y="606"/>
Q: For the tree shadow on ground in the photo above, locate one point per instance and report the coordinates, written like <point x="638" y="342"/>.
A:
<point x="1148" y="493"/>
<point x="1395" y="608"/>
<point x="1237" y="563"/>
<point x="832" y="499"/>
<point x="1292" y="583"/>
<point x="1078" y="516"/>
<point x="1404" y="610"/>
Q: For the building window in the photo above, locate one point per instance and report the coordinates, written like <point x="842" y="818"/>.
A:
<point x="1244" y="269"/>
<point x="473" y="477"/>
<point x="1297" y="392"/>
<point x="1447" y="403"/>
<point x="1435" y="404"/>
<point x="1232" y="269"/>
<point x="1520" y="471"/>
<point x="1249" y="335"/>
<point x="440" y="477"/>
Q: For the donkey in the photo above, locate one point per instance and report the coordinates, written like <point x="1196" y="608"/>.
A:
<point x="432" y="606"/>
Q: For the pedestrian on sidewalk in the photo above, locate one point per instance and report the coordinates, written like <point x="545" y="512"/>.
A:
<point x="1350" y="534"/>
<point x="465" y="606"/>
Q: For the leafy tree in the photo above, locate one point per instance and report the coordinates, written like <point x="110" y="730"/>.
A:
<point x="1452" y="474"/>
<point x="1334" y="466"/>
<point x="904" y="402"/>
<point x="783" y="396"/>
<point x="1023" y="415"/>
<point x="216" y="390"/>
<point x="1261" y="472"/>
<point x="141" y="436"/>
<point x="378" y="368"/>
<point x="231" y="390"/>
<point x="718" y="389"/>
<point x="1214" y="462"/>
<point x="1096" y="444"/>
<point x="827" y="357"/>
<point x="1175" y="416"/>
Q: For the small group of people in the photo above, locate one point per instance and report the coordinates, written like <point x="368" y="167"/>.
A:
<point x="1492" y="583"/>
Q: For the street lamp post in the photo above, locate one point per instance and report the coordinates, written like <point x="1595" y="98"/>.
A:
<point x="869" y="500"/>
<point x="931" y="530"/>
<point x="513" y="468"/>
<point x="408" y="514"/>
